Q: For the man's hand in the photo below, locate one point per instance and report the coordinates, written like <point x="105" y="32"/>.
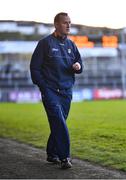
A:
<point x="76" y="66"/>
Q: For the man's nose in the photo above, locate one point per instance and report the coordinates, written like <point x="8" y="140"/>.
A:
<point x="68" y="25"/>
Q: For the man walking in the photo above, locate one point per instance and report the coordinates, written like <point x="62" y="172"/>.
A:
<point x="53" y="65"/>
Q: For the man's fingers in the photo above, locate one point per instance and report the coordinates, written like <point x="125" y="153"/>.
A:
<point x="76" y="66"/>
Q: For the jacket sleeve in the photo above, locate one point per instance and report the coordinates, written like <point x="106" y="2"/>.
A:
<point x="36" y="66"/>
<point x="79" y="60"/>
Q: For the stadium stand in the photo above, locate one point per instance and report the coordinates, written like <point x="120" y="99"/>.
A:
<point x="104" y="64"/>
<point x="99" y="71"/>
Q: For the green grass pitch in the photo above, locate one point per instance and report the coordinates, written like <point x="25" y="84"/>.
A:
<point x="97" y="129"/>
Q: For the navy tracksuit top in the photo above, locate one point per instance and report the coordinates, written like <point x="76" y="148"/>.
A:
<point x="51" y="63"/>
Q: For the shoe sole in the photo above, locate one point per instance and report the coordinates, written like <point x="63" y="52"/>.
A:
<point x="66" y="167"/>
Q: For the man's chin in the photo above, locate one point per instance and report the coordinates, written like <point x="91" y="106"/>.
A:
<point x="67" y="33"/>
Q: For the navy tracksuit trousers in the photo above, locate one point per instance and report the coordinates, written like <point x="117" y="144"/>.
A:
<point x="57" y="105"/>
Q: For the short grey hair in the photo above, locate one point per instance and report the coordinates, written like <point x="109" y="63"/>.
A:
<point x="57" y="17"/>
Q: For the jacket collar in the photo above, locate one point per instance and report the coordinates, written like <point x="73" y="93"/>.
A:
<point x="61" y="38"/>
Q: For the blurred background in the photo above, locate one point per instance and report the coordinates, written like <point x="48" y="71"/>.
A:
<point x="102" y="47"/>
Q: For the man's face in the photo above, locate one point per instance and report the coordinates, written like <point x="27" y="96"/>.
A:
<point x="63" y="25"/>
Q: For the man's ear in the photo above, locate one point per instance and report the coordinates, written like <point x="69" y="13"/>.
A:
<point x="56" y="25"/>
